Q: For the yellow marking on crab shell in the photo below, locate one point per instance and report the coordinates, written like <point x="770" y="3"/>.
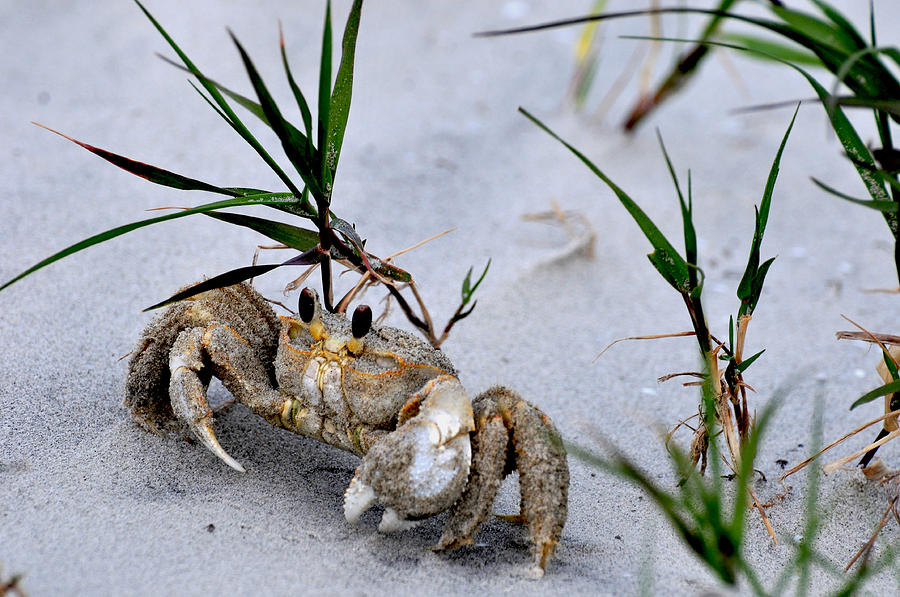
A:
<point x="317" y="330"/>
<point x="355" y="345"/>
<point x="321" y="370"/>
<point x="400" y="371"/>
<point x="402" y="366"/>
<point x="227" y="327"/>
<point x="293" y="330"/>
<point x="298" y="350"/>
<point x="286" y="409"/>
<point x="355" y="439"/>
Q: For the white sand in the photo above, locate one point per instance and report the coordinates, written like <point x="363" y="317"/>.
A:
<point x="91" y="504"/>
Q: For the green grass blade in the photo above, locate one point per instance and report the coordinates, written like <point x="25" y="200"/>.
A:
<point x="229" y="278"/>
<point x="830" y="43"/>
<point x="265" y="199"/>
<point x="748" y="288"/>
<point x="295" y="89"/>
<point x="226" y="110"/>
<point x="891" y="106"/>
<point x="242" y="100"/>
<point x="148" y="172"/>
<point x="235" y="276"/>
<point x="292" y="140"/>
<point x="664" y="257"/>
<point x="891" y="366"/>
<point x="855" y="148"/>
<point x="468" y="289"/>
<point x="742" y="366"/>
<point x="292" y="236"/>
<point x="767" y="47"/>
<point x="888" y="388"/>
<point x="812" y="28"/>
<point x="690" y="234"/>
<point x="893" y="54"/>
<point x="339" y="107"/>
<point x="325" y="102"/>
<point x="842" y="23"/>
<point x="879" y="205"/>
<point x="671" y="507"/>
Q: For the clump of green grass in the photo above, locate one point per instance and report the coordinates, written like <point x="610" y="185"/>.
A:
<point x="731" y="412"/>
<point x="826" y="39"/>
<point x="313" y="149"/>
<point x="711" y="521"/>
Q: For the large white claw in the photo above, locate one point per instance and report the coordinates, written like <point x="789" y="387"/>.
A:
<point x="423" y="466"/>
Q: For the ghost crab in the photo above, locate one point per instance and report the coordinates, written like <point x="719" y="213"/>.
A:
<point x="378" y="392"/>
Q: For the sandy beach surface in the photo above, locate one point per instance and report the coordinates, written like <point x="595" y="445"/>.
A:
<point x="91" y="504"/>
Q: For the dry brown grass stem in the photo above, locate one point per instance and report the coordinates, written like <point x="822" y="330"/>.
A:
<point x="618" y="86"/>
<point x="367" y="279"/>
<point x="756" y="503"/>
<point x="762" y="512"/>
<point x="869" y="337"/>
<point x="842" y="461"/>
<point x="866" y="549"/>
<point x="874" y="338"/>
<point x="669" y="376"/>
<point x="836" y="442"/>
<point x="683" y="422"/>
<point x="646" y="80"/>
<point x="299" y="280"/>
<point x="651" y="337"/>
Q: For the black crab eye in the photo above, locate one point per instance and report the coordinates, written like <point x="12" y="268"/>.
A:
<point x="307" y="305"/>
<point x="362" y="321"/>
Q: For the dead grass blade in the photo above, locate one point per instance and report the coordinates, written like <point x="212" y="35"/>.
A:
<point x="651" y="337"/>
<point x="869" y="337"/>
<point x="842" y="461"/>
<point x="867" y="548"/>
<point x="836" y="442"/>
<point x="680" y="374"/>
<point x="873" y="337"/>
<point x="366" y="278"/>
<point x="683" y="422"/>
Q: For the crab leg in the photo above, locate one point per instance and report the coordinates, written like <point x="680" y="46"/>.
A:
<point x="489" y="448"/>
<point x="543" y="476"/>
<point x="539" y="456"/>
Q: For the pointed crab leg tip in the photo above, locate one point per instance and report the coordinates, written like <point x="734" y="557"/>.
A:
<point x="233" y="463"/>
<point x="206" y="436"/>
<point x="392" y="523"/>
<point x="358" y="498"/>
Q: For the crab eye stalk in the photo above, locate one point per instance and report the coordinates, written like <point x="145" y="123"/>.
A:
<point x="362" y="321"/>
<point x="307" y="305"/>
<point x="310" y="312"/>
<point x="360" y="326"/>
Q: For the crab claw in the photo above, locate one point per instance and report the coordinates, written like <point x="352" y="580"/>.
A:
<point x="188" y="394"/>
<point x="421" y="468"/>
